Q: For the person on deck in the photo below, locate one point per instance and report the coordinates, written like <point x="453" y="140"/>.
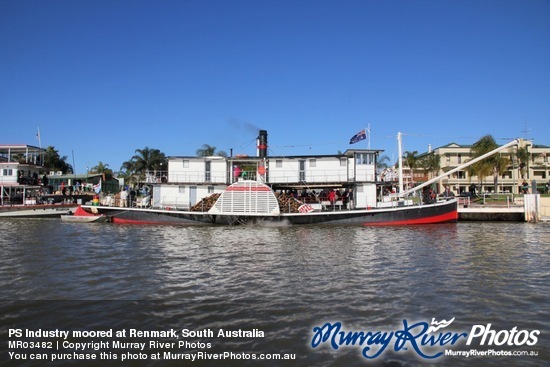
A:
<point x="351" y="202"/>
<point x="123" y="198"/>
<point x="332" y="198"/>
<point x="448" y="193"/>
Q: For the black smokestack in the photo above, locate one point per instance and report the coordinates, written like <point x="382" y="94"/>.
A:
<point x="262" y="144"/>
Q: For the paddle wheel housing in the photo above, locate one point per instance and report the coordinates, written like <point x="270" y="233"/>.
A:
<point x="247" y="197"/>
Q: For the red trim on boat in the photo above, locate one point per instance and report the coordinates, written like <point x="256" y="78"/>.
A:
<point x="442" y="218"/>
<point x="133" y="221"/>
<point x="244" y="188"/>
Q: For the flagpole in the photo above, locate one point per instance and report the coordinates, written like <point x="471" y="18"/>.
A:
<point x="38" y="138"/>
<point x="368" y="136"/>
<point x="400" y="162"/>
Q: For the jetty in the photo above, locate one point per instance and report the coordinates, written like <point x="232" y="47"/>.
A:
<point x="528" y="208"/>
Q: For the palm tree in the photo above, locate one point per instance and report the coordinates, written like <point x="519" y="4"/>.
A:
<point x="144" y="161"/>
<point x="431" y="163"/>
<point x="411" y="158"/>
<point x="101" y="168"/>
<point x="523" y="157"/>
<point x="495" y="164"/>
<point x="127" y="167"/>
<point x="382" y="162"/>
<point x="148" y="159"/>
<point x="208" y="150"/>
<point x="480" y="169"/>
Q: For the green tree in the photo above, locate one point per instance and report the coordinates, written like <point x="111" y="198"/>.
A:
<point x="411" y="159"/>
<point x="146" y="160"/>
<point x="54" y="162"/>
<point x="495" y="164"/>
<point x="523" y="156"/>
<point x="101" y="168"/>
<point x="127" y="168"/>
<point x="431" y="163"/>
<point x="208" y="150"/>
<point x="382" y="162"/>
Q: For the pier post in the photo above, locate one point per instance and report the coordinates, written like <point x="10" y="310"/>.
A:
<point x="531" y="205"/>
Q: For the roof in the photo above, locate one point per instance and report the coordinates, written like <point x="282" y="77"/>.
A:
<point x="347" y="153"/>
<point x="77" y="176"/>
<point x="21" y="147"/>
<point x="454" y="145"/>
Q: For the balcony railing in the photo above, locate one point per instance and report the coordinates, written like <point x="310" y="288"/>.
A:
<point x="276" y="177"/>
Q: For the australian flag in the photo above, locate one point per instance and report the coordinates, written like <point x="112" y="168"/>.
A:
<point x="361" y="135"/>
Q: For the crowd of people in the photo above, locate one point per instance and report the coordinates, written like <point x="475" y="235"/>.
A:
<point x="342" y="197"/>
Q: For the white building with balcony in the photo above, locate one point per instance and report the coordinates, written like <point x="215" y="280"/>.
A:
<point x="536" y="170"/>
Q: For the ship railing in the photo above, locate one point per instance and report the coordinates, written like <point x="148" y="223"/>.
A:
<point x="197" y="177"/>
<point x="273" y="177"/>
<point x="499" y="199"/>
<point x="172" y="203"/>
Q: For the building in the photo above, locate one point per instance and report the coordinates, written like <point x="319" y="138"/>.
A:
<point x="452" y="155"/>
<point x="19" y="172"/>
<point x="83" y="182"/>
<point x="23" y="175"/>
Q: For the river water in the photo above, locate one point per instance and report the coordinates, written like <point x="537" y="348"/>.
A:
<point x="285" y="282"/>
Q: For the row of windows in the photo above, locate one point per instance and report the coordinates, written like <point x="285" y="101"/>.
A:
<point x="360" y="158"/>
<point x="13" y="172"/>
<point x="508" y="174"/>
<point x="459" y="158"/>
<point x="182" y="189"/>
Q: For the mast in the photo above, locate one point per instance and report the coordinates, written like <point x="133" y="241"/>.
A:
<point x="400" y="160"/>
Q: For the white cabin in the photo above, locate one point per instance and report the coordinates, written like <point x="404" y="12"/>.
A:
<point x="190" y="179"/>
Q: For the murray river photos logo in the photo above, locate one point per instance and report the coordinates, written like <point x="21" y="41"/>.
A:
<point x="427" y="340"/>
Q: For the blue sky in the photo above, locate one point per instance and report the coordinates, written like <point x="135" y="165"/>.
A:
<point x="104" y="78"/>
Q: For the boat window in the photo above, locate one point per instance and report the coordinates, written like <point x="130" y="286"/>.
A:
<point x="364" y="158"/>
<point x="181" y="189"/>
<point x="185" y="163"/>
<point x="207" y="173"/>
<point x="279" y="163"/>
<point x="343" y="162"/>
<point x="312" y="162"/>
<point x="302" y="173"/>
